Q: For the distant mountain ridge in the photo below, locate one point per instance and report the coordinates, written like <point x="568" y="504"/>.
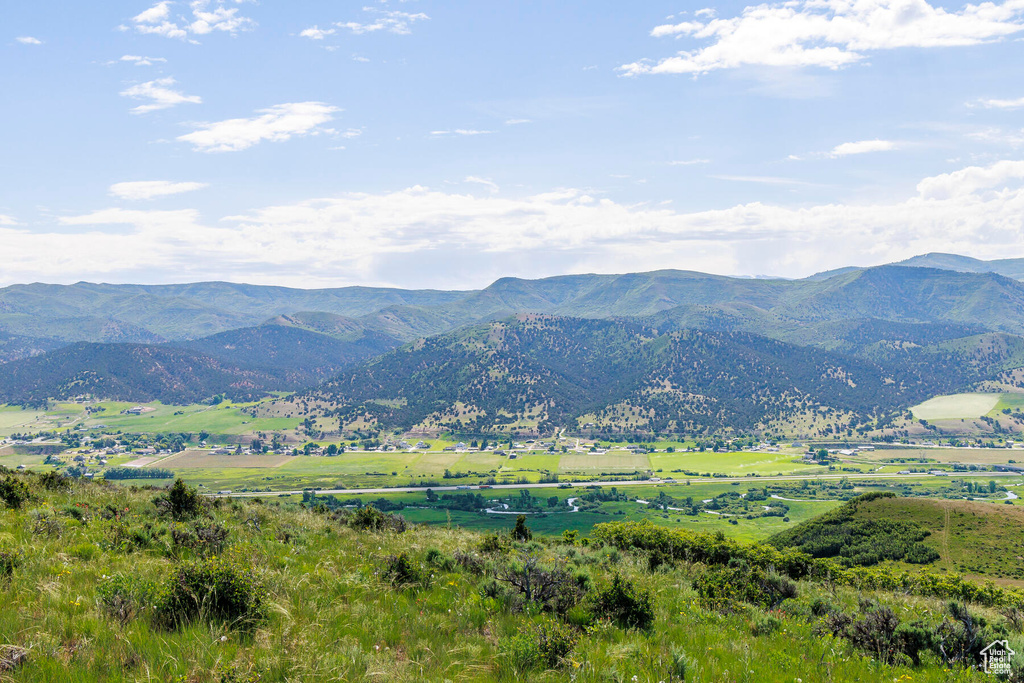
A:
<point x="161" y="313"/>
<point x="1011" y="267"/>
<point x="930" y="329"/>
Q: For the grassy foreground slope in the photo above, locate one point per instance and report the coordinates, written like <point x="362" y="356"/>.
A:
<point x="104" y="584"/>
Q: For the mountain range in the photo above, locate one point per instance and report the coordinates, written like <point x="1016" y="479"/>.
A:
<point x="935" y="323"/>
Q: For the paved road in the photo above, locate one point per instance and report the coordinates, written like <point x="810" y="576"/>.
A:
<point x="632" y="482"/>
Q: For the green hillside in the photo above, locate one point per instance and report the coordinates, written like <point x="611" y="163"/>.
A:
<point x="130" y="372"/>
<point x="104" y="583"/>
<point x="307" y="356"/>
<point x="560" y="369"/>
<point x="983" y="539"/>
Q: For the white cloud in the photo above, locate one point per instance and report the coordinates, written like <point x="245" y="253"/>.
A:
<point x="317" y="33"/>
<point x="160" y="94"/>
<point x="204" y="19"/>
<point x="460" y="131"/>
<point x="862" y="147"/>
<point x="139" y="60"/>
<point x="276" y="124"/>
<point x="7" y="220"/>
<point x="1003" y="104"/>
<point x="149" y="189"/>
<point x="970" y="180"/>
<point x="517" y="122"/>
<point x="828" y="33"/>
<point x="396" y="237"/>
<point x="28" y="40"/>
<point x="689" y="162"/>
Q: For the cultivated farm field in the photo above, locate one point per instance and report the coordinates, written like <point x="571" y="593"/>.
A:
<point x="733" y="463"/>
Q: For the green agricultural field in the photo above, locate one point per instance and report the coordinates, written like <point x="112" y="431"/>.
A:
<point x="226" y="418"/>
<point x="733" y="464"/>
<point x="956" y="406"/>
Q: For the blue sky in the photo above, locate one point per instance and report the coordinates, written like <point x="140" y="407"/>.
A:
<point x="446" y="144"/>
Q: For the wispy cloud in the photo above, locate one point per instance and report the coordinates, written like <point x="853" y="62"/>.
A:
<point x="28" y="40"/>
<point x="378" y="20"/>
<point x="486" y="182"/>
<point x="460" y="131"/>
<point x="160" y="95"/>
<point x="204" y="19"/>
<point x="275" y="124"/>
<point x="517" y="122"/>
<point x="862" y="147"/>
<point x="689" y="162"/>
<point x="150" y="189"/>
<point x="7" y="220"/>
<point x="1003" y="104"/>
<point x="827" y="33"/>
<point x="139" y="60"/>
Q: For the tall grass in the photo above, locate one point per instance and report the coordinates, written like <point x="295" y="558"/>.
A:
<point x="331" y="614"/>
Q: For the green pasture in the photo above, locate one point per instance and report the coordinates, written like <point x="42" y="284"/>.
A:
<point x="226" y="418"/>
<point x="733" y="464"/>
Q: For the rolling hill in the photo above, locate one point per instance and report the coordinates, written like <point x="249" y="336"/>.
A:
<point x="957" y="535"/>
<point x="305" y="355"/>
<point x="130" y="372"/>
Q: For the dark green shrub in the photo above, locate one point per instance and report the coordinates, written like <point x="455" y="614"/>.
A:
<point x="765" y="625"/>
<point x="216" y="589"/>
<point x="555" y="641"/>
<point x="435" y="558"/>
<point x="913" y="639"/>
<point x="820" y="607"/>
<point x="14" y="492"/>
<point x="546" y="645"/>
<point x="961" y="636"/>
<point x="521" y="532"/>
<point x="625" y="604"/>
<point x="400" y="571"/>
<point x="720" y="587"/>
<point x="369" y="518"/>
<point x="181" y="502"/>
<point x="494" y="543"/>
<point x="55" y="481"/>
